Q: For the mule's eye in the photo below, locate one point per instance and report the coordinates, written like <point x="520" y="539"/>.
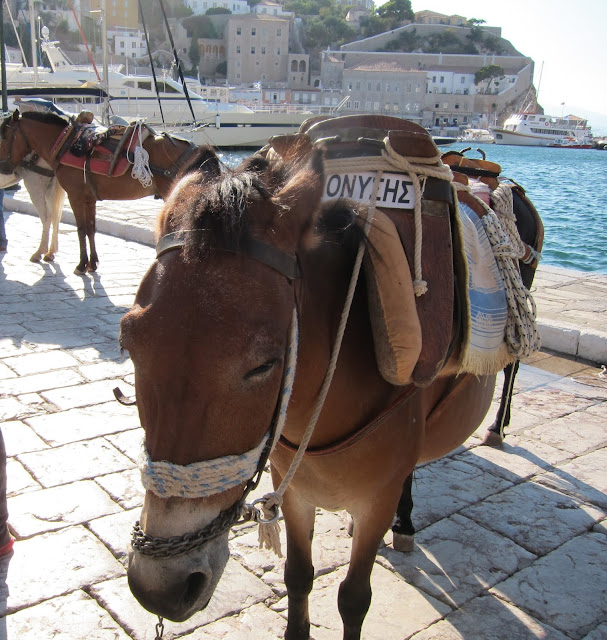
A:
<point x="265" y="368"/>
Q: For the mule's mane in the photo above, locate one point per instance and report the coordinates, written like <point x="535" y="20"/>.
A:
<point x="216" y="206"/>
<point x="222" y="208"/>
<point x="46" y="117"/>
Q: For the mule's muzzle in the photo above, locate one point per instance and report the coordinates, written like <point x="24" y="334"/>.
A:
<point x="176" y="588"/>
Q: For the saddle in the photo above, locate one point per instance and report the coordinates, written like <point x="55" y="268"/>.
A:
<point x="412" y="333"/>
<point x="416" y="268"/>
<point x="97" y="149"/>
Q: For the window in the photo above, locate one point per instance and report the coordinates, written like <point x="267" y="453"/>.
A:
<point x="358" y="86"/>
<point x="238" y="31"/>
<point x="462" y="80"/>
<point x="388" y="88"/>
<point x="356" y="104"/>
<point x="278" y="52"/>
<point x="445" y="105"/>
<point x="349" y="104"/>
<point x="252" y="49"/>
<point x="253" y="31"/>
<point x="378" y="86"/>
<point x="368" y="86"/>
<point x="349" y="86"/>
<point x="442" y="79"/>
<point x="263" y="51"/>
<point x="456" y="105"/>
<point x="376" y="106"/>
<point x="237" y="48"/>
<point x="279" y="32"/>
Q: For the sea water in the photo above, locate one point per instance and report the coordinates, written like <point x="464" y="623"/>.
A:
<point x="568" y="188"/>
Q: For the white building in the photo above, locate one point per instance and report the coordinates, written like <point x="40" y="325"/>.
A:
<point x="128" y="42"/>
<point x="200" y="7"/>
<point x="269" y="8"/>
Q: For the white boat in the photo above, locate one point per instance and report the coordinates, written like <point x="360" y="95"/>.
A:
<point x="476" y="135"/>
<point x="537" y="130"/>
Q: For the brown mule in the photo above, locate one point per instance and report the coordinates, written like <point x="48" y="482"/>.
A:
<point x="22" y="134"/>
<point x="209" y="334"/>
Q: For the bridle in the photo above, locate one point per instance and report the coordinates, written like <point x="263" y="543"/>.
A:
<point x="6" y="164"/>
<point x="240" y="512"/>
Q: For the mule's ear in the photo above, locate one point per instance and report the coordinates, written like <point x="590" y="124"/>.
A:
<point x="299" y="203"/>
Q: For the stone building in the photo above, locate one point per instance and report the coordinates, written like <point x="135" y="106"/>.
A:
<point x="383" y="85"/>
<point x="257" y="49"/>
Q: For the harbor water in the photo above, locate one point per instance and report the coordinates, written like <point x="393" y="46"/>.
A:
<point x="567" y="186"/>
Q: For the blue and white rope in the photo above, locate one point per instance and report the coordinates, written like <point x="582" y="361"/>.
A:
<point x="210" y="477"/>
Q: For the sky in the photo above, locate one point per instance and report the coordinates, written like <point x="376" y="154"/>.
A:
<point x="568" y="36"/>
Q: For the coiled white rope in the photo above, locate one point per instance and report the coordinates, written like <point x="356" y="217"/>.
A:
<point x="522" y="335"/>
<point x="141" y="160"/>
<point x="415" y="167"/>
<point x="503" y="204"/>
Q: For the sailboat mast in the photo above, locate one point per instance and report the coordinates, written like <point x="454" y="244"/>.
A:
<point x="33" y="41"/>
<point x="106" y="80"/>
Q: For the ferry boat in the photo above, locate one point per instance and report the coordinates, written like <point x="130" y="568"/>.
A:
<point x="537" y="130"/>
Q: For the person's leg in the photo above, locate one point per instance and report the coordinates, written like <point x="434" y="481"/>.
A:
<point x="6" y="539"/>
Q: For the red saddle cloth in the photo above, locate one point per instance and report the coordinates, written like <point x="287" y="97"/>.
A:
<point x="101" y="158"/>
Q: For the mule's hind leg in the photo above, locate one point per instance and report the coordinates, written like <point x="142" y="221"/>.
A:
<point x="355" y="591"/>
<point x="495" y="435"/>
<point x="55" y="197"/>
<point x="403" y="531"/>
<point x="299" y="571"/>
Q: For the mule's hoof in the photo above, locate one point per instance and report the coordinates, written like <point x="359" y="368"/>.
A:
<point x="91" y="268"/>
<point x="35" y="258"/>
<point x="78" y="271"/>
<point x="402" y="542"/>
<point x="493" y="439"/>
<point x="49" y="257"/>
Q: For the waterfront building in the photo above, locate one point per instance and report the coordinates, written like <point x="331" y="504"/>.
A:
<point x="257" y="48"/>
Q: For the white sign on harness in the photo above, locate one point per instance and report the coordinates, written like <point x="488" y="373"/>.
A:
<point x="395" y="190"/>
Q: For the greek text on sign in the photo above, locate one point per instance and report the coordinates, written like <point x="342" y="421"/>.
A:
<point x="395" y="190"/>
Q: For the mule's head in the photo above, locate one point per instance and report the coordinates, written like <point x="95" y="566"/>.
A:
<point x="13" y="143"/>
<point x="208" y="335"/>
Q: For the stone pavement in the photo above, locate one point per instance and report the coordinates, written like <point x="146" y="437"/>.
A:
<point x="511" y="542"/>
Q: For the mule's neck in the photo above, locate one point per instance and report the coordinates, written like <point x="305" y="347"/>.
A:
<point x="327" y="271"/>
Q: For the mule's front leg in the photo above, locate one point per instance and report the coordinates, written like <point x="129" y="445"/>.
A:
<point x="91" y="228"/>
<point x="299" y="571"/>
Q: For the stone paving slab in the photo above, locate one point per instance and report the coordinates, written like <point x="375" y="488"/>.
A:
<point x="565" y="587"/>
<point x="498" y="529"/>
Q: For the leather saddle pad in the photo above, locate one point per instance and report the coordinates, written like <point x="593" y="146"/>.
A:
<point x="101" y="159"/>
<point x="363" y="136"/>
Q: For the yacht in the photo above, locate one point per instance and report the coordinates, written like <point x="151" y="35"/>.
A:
<point x="537" y="130"/>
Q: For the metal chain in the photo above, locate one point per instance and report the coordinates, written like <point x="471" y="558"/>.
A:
<point x="178" y="545"/>
<point x="159" y="628"/>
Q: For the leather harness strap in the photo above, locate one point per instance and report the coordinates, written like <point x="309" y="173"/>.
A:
<point x="278" y="260"/>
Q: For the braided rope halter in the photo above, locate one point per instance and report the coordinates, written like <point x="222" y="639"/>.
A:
<point x="211" y="477"/>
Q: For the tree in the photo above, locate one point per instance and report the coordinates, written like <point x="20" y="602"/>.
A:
<point x="396" y="12"/>
<point x="215" y="11"/>
<point x="194" y="53"/>
<point x="200" y="27"/>
<point x="488" y="73"/>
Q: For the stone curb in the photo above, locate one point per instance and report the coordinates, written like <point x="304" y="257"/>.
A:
<point x="560" y="337"/>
